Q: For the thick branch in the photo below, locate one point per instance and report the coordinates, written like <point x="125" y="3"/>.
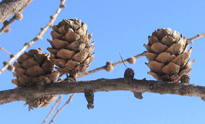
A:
<point x="10" y="7"/>
<point x="22" y="94"/>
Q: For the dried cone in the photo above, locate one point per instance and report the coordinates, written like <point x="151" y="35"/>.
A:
<point x="70" y="50"/>
<point x="33" y="68"/>
<point x="168" y="55"/>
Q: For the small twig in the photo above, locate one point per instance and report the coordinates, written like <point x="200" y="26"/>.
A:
<point x="5" y="50"/>
<point x="7" y="24"/>
<point x="43" y="30"/>
<point x="196" y="37"/>
<point x="58" y="111"/>
<point x="59" y="99"/>
<point x="114" y="64"/>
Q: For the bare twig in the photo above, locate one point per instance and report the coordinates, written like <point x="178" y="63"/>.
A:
<point x="58" y="111"/>
<point x="5" y="50"/>
<point x="196" y="37"/>
<point x="114" y="64"/>
<point x="59" y="99"/>
<point x="43" y="30"/>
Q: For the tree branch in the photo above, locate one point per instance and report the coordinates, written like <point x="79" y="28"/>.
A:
<point x="10" y="7"/>
<point x="22" y="94"/>
<point x="38" y="36"/>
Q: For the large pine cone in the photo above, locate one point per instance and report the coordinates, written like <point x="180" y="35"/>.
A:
<point x="70" y="47"/>
<point x="33" y="68"/>
<point x="168" y="56"/>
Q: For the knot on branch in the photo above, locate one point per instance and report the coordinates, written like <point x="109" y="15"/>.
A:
<point x="89" y="95"/>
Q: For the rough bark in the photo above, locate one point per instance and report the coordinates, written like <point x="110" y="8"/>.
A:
<point x="10" y="7"/>
<point x="140" y="86"/>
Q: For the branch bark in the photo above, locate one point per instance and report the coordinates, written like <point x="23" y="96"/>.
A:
<point x="10" y="7"/>
<point x="22" y="94"/>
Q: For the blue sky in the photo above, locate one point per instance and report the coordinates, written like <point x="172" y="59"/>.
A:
<point x="118" y="26"/>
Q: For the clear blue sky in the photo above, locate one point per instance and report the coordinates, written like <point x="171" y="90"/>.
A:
<point x="118" y="26"/>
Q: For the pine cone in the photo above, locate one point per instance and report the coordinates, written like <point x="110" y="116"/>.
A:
<point x="70" y="47"/>
<point x="168" y="56"/>
<point x="33" y="68"/>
